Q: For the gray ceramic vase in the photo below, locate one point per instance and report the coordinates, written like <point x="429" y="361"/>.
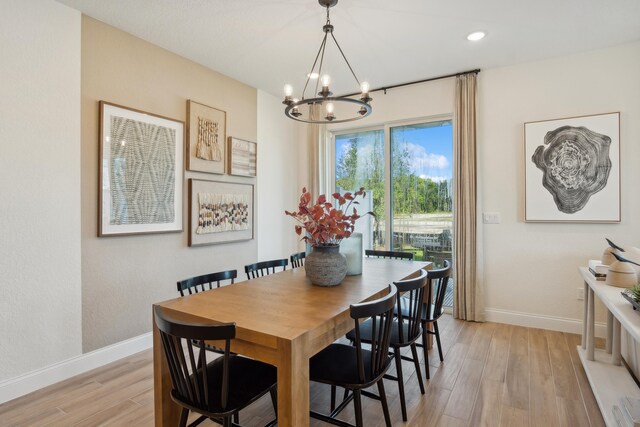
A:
<point x="326" y="266"/>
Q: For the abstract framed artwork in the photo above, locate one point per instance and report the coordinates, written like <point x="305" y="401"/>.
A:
<point x="572" y="169"/>
<point x="206" y="136"/>
<point x="141" y="157"/>
<point x="243" y="156"/>
<point x="219" y="212"/>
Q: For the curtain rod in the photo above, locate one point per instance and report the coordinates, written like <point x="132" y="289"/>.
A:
<point x="385" y="88"/>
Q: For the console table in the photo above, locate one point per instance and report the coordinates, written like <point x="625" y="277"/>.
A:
<point x="609" y="378"/>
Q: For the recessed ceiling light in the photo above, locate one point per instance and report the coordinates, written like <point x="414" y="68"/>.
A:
<point x="313" y="76"/>
<point x="476" y="35"/>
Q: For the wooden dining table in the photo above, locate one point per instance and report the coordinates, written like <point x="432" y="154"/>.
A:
<point x="281" y="319"/>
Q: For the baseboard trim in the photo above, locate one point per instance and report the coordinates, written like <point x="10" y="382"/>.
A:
<point x="553" y="323"/>
<point x="24" y="384"/>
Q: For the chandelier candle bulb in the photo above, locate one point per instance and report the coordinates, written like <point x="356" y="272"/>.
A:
<point x="326" y="81"/>
<point x="288" y="90"/>
<point x="330" y="115"/>
<point x="365" y="88"/>
<point x="295" y="112"/>
<point x="330" y="108"/>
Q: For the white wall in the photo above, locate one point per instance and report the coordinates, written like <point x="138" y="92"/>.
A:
<point x="530" y="272"/>
<point x="529" y="267"/>
<point x="40" y="309"/>
<point x="278" y="147"/>
<point x="410" y="102"/>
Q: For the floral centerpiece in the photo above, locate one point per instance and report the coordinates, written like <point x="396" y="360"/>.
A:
<point x="325" y="224"/>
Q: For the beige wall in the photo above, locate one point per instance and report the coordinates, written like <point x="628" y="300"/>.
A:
<point x="40" y="178"/>
<point x="531" y="269"/>
<point x="123" y="276"/>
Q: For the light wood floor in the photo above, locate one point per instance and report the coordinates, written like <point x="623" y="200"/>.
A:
<point x="493" y="375"/>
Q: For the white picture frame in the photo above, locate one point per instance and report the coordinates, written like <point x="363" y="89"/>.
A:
<point x="572" y="169"/>
<point x="141" y="172"/>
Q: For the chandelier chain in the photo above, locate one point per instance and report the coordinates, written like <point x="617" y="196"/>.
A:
<point x="324" y="47"/>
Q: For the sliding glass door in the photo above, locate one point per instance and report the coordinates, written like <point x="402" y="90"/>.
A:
<point x="407" y="169"/>
<point x="421" y="197"/>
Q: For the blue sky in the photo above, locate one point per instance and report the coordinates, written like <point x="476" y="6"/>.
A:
<point x="430" y="147"/>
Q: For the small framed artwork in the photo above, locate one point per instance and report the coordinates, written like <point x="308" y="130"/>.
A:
<point x="141" y="157"/>
<point x="242" y="157"/>
<point x="219" y="212"/>
<point x="206" y="136"/>
<point x="572" y="169"/>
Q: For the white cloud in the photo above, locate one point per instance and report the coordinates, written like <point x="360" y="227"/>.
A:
<point x="422" y="160"/>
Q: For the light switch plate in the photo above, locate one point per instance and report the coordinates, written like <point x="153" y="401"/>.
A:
<point x="491" y="217"/>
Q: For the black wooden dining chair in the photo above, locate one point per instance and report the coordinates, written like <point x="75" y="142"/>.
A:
<point x="297" y="260"/>
<point x="388" y="254"/>
<point x="265" y="268"/>
<point x="193" y="285"/>
<point x="436" y="290"/>
<point x="355" y="368"/>
<point x="218" y="388"/>
<point x="434" y="308"/>
<point x="406" y="330"/>
<point x="202" y="283"/>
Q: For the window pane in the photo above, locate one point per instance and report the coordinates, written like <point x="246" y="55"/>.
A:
<point x="421" y="173"/>
<point x="360" y="163"/>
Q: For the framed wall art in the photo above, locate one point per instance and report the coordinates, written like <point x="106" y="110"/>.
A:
<point x="572" y="169"/>
<point x="141" y="157"/>
<point x="219" y="212"/>
<point x="206" y="136"/>
<point x="243" y="156"/>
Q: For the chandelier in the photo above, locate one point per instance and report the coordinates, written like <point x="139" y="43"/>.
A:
<point x="330" y="109"/>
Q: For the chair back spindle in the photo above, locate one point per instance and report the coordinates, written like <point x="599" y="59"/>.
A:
<point x="381" y="314"/>
<point x="412" y="291"/>
<point x="297" y="260"/>
<point x="193" y="285"/>
<point x="437" y="288"/>
<point x="265" y="268"/>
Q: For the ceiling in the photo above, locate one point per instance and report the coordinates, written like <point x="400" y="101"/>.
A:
<point x="267" y="43"/>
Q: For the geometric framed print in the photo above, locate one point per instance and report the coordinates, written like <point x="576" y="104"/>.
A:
<point x="141" y="158"/>
<point x="572" y="169"/>
<point x="219" y="212"/>
<point x="242" y="157"/>
<point x="206" y="137"/>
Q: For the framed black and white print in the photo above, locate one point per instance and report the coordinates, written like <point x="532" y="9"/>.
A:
<point x="572" y="169"/>
<point x="141" y="158"/>
<point x="219" y="212"/>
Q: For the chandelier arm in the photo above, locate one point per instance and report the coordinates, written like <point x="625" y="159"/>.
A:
<point x="324" y="41"/>
<point x="345" y="58"/>
<point x="324" y="47"/>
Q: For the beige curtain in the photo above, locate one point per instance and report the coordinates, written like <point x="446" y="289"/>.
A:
<point x="468" y="293"/>
<point x="315" y="134"/>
